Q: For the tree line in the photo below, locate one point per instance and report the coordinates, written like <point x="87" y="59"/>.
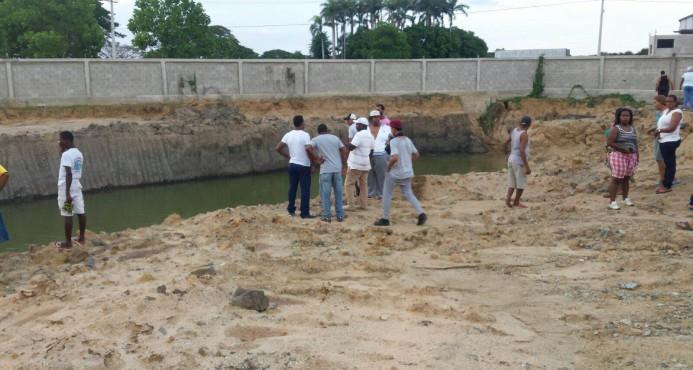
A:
<point x="182" y="29"/>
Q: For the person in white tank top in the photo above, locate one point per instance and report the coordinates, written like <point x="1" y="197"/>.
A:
<point x="517" y="150"/>
<point x="669" y="137"/>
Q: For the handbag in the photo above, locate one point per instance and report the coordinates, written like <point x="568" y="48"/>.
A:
<point x="4" y="235"/>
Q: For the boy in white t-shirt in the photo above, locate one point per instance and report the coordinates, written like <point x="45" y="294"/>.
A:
<point x="70" y="199"/>
<point x="298" y="149"/>
<point x="359" y="164"/>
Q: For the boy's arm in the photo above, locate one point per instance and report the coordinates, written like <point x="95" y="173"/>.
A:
<point x="393" y="160"/>
<point x="524" y="139"/>
<point x="281" y="149"/>
<point x="68" y="184"/>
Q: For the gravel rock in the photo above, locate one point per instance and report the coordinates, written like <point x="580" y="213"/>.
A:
<point x="250" y="299"/>
<point x="631" y="285"/>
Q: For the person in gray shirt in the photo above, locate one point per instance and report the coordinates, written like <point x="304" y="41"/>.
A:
<point x="400" y="172"/>
<point x="332" y="156"/>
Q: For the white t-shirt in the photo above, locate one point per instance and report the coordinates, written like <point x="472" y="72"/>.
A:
<point x="687" y="79"/>
<point x="665" y="122"/>
<point x="73" y="159"/>
<point x="297" y="140"/>
<point x="352" y="131"/>
<point x="381" y="140"/>
<point x="359" y="157"/>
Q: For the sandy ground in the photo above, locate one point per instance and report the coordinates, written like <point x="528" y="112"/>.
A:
<point x="479" y="287"/>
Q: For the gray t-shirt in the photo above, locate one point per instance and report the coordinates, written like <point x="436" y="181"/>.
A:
<point x="328" y="147"/>
<point x="402" y="147"/>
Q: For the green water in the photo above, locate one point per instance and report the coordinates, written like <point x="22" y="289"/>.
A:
<point x="38" y="222"/>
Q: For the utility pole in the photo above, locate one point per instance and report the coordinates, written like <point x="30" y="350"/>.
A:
<point x="113" y="42"/>
<point x="601" y="25"/>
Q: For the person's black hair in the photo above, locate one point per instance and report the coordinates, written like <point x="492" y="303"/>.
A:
<point x="67" y="136"/>
<point x="322" y="128"/>
<point x="298" y="121"/>
<point x="382" y="107"/>
<point x="526" y="121"/>
<point x="662" y="73"/>
<point x="617" y="117"/>
<point x="676" y="98"/>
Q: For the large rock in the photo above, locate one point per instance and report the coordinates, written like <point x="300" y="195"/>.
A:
<point x="250" y="299"/>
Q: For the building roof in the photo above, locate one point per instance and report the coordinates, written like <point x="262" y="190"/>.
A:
<point x="686" y="17"/>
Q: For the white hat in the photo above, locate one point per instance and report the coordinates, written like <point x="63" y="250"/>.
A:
<point x="362" y="121"/>
<point x="350" y="116"/>
<point x="374" y="113"/>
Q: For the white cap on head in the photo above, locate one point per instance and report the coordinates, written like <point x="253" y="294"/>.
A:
<point x="374" y="113"/>
<point x="350" y="116"/>
<point x="362" y="121"/>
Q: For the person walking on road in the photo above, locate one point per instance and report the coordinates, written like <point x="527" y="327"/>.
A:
<point x="376" y="176"/>
<point x="70" y="198"/>
<point x="517" y="149"/>
<point x="668" y="133"/>
<point x="359" y="164"/>
<point x="332" y="155"/>
<point x="664" y="84"/>
<point x="624" y="158"/>
<point x="687" y="86"/>
<point x="400" y="173"/>
<point x="298" y="149"/>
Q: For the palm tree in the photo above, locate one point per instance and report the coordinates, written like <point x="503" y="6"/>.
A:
<point x="329" y="14"/>
<point x="398" y="11"/>
<point x="453" y="7"/>
<point x="430" y="11"/>
<point x="316" y="31"/>
<point x="351" y="9"/>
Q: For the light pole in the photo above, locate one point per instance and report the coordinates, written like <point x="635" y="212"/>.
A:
<point x="601" y="25"/>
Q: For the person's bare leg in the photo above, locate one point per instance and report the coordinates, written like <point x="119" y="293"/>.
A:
<point x="518" y="195"/>
<point x="625" y="184"/>
<point x="509" y="197"/>
<point x="613" y="188"/>
<point x="68" y="233"/>
<point x="661" y="168"/>
<point x="82" y="227"/>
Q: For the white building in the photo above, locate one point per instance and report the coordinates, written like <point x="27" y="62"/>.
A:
<point x="531" y="53"/>
<point x="679" y="44"/>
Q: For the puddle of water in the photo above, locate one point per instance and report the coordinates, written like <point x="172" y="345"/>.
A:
<point x="38" y="222"/>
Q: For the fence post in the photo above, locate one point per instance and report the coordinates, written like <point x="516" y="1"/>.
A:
<point x="372" y="85"/>
<point x="164" y="78"/>
<point x="478" y="74"/>
<point x="10" y="79"/>
<point x="423" y="74"/>
<point x="306" y="66"/>
<point x="87" y="78"/>
<point x="601" y="72"/>
<point x="240" y="77"/>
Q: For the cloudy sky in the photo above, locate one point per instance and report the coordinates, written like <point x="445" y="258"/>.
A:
<point x="508" y="24"/>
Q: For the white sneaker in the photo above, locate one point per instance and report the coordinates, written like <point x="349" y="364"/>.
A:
<point x="614" y="206"/>
<point x="628" y="202"/>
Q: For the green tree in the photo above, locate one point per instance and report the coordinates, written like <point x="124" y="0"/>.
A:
<point x="171" y="29"/>
<point x="49" y="29"/>
<point x="383" y="42"/>
<point x="320" y="46"/>
<point x="226" y="46"/>
<point x="439" y="42"/>
<point x="470" y="45"/>
<point x="282" y="54"/>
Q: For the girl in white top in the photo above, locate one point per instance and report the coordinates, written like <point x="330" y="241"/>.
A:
<point x="669" y="137"/>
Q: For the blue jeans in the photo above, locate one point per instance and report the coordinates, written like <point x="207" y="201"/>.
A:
<point x="299" y="175"/>
<point x="329" y="181"/>
<point x="688" y="96"/>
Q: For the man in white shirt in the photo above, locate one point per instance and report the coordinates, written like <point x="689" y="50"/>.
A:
<point x="359" y="164"/>
<point x="70" y="198"/>
<point x="298" y="149"/>
<point x="383" y="118"/>
<point x="376" y="176"/>
<point x="349" y="120"/>
<point x="687" y="87"/>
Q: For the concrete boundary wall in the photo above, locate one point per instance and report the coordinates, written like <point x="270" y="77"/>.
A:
<point x="95" y="81"/>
